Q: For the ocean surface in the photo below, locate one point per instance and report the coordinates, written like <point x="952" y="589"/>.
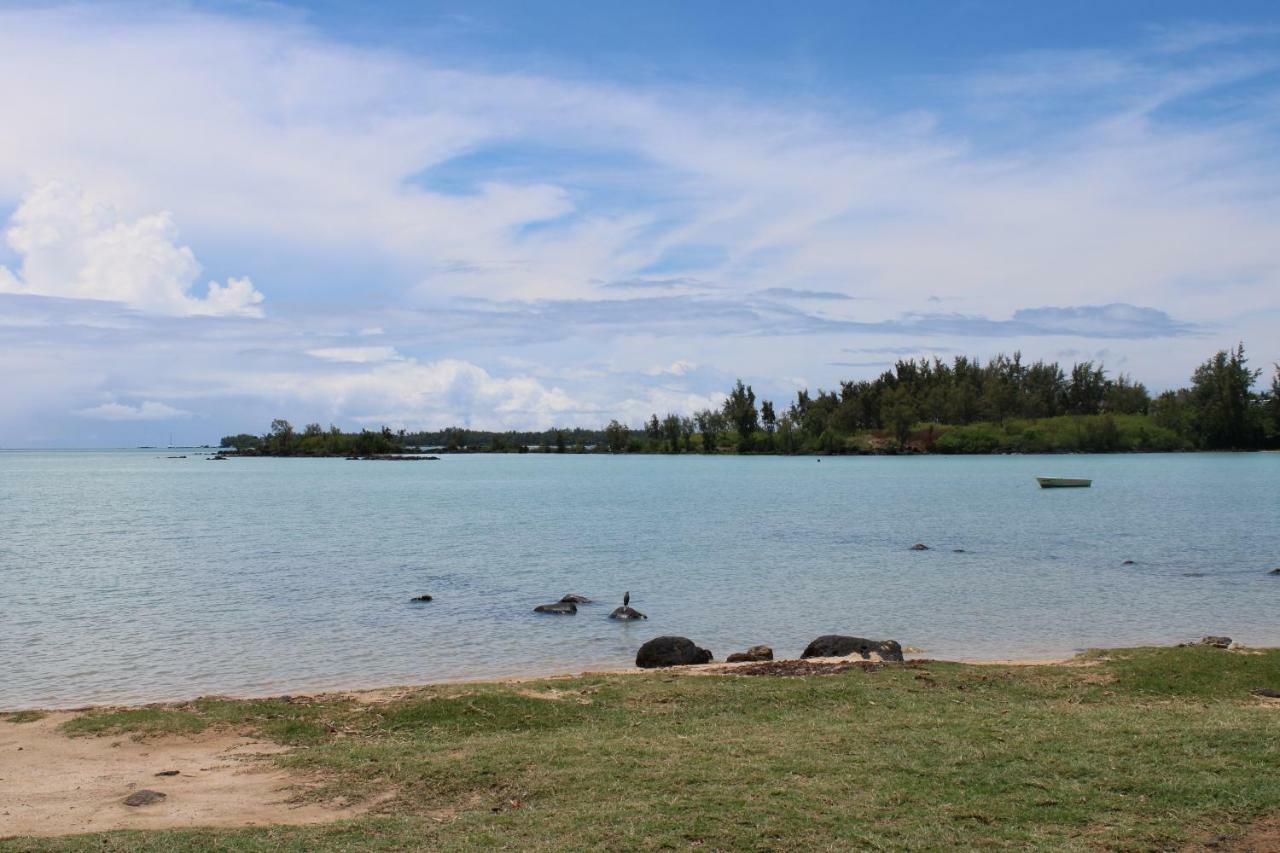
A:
<point x="126" y="576"/>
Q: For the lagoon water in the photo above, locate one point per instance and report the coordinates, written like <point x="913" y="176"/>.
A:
<point x="126" y="576"/>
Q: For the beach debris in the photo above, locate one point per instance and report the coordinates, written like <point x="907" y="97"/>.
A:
<point x="755" y="653"/>
<point x="575" y="598"/>
<point x="626" y="612"/>
<point x="145" y="797"/>
<point x="561" y="608"/>
<point x="1266" y="692"/>
<point x="671" y="651"/>
<point x="1216" y="642"/>
<point x="168" y="773"/>
<point x="422" y="598"/>
<point x="839" y="646"/>
<point x="919" y="546"/>
<point x="800" y="668"/>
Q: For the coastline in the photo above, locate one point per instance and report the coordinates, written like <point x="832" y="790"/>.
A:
<point x="371" y="693"/>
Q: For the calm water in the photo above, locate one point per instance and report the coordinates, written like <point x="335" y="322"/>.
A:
<point x="125" y="576"/>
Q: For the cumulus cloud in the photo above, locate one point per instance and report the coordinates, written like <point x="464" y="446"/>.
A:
<point x="409" y="392"/>
<point x="74" y="246"/>
<point x="148" y="410"/>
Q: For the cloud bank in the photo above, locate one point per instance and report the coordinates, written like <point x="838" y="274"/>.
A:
<point x="76" y="247"/>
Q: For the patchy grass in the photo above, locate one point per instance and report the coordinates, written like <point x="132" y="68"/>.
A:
<point x="1149" y="749"/>
<point x="22" y="716"/>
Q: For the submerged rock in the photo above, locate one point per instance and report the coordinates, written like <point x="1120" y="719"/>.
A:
<point x="919" y="546"/>
<point x="563" y="608"/>
<point x="1274" y="572"/>
<point x="626" y="613"/>
<point x="575" y="598"/>
<point x="839" y="646"/>
<point x="145" y="797"/>
<point x="1128" y="563"/>
<point x="671" y="651"/>
<point x="422" y="598"/>
<point x="755" y="653"/>
<point x="1216" y="642"/>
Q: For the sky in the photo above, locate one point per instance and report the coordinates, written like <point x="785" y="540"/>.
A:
<point x="512" y="215"/>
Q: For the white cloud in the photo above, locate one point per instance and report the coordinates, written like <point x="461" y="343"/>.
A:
<point x="410" y="393"/>
<point x="355" y="355"/>
<point x="675" y="368"/>
<point x="148" y="410"/>
<point x="76" y="247"/>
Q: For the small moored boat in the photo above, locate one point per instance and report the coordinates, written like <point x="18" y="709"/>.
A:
<point x="1063" y="483"/>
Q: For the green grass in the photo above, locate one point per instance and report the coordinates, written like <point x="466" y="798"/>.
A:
<point x="22" y="716"/>
<point x="1147" y="750"/>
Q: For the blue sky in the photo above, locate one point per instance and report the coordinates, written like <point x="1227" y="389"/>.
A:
<point x="520" y="215"/>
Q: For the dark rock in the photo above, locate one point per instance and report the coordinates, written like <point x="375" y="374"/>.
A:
<point x="1216" y="642"/>
<point x="838" y="646"/>
<point x="1193" y="574"/>
<point x="671" y="651"/>
<point x="1266" y="693"/>
<point x="755" y="653"/>
<point x="167" y="773"/>
<point x="575" y="598"/>
<point x="145" y="797"/>
<point x="562" y="608"/>
<point x="421" y="598"/>
<point x="1128" y="563"/>
<point x="959" y="551"/>
<point x="626" y="614"/>
<point x="919" y="546"/>
<point x="1274" y="572"/>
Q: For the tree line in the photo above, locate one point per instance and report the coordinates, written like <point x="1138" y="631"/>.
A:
<point x="960" y="406"/>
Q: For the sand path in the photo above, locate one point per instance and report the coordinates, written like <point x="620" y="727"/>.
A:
<point x="51" y="784"/>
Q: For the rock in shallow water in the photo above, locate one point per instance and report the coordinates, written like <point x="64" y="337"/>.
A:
<point x="575" y="598"/>
<point x="562" y="608"/>
<point x="626" y="614"/>
<point x="919" y="546"/>
<point x="755" y="653"/>
<point x="1216" y="642"/>
<point x="421" y="598"/>
<point x="671" y="651"/>
<point x="838" y="646"/>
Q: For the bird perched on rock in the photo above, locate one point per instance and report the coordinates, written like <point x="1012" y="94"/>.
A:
<point x="626" y="611"/>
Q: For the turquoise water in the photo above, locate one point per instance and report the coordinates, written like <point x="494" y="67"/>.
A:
<point x="125" y="576"/>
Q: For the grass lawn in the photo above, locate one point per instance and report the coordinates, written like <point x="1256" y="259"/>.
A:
<point x="1148" y="749"/>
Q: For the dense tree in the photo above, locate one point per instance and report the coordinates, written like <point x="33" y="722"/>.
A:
<point x="740" y="411"/>
<point x="1221" y="397"/>
<point x="617" y="437"/>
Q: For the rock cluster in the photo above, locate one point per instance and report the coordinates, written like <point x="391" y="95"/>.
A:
<point x="838" y="646"/>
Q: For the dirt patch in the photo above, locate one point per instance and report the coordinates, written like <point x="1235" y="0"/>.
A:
<point x="54" y="785"/>
<point x="1262" y="836"/>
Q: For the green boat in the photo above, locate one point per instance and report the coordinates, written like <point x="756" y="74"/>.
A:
<point x="1062" y="483"/>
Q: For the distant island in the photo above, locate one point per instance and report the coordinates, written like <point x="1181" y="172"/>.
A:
<point x="961" y="407"/>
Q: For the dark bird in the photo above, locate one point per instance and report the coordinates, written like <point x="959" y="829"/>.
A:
<point x="626" y="598"/>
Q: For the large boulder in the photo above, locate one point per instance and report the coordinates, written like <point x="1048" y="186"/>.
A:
<point x="670" y="651"/>
<point x="560" y="608"/>
<point x="626" y="614"/>
<point x="755" y="653"/>
<point x="839" y="646"/>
